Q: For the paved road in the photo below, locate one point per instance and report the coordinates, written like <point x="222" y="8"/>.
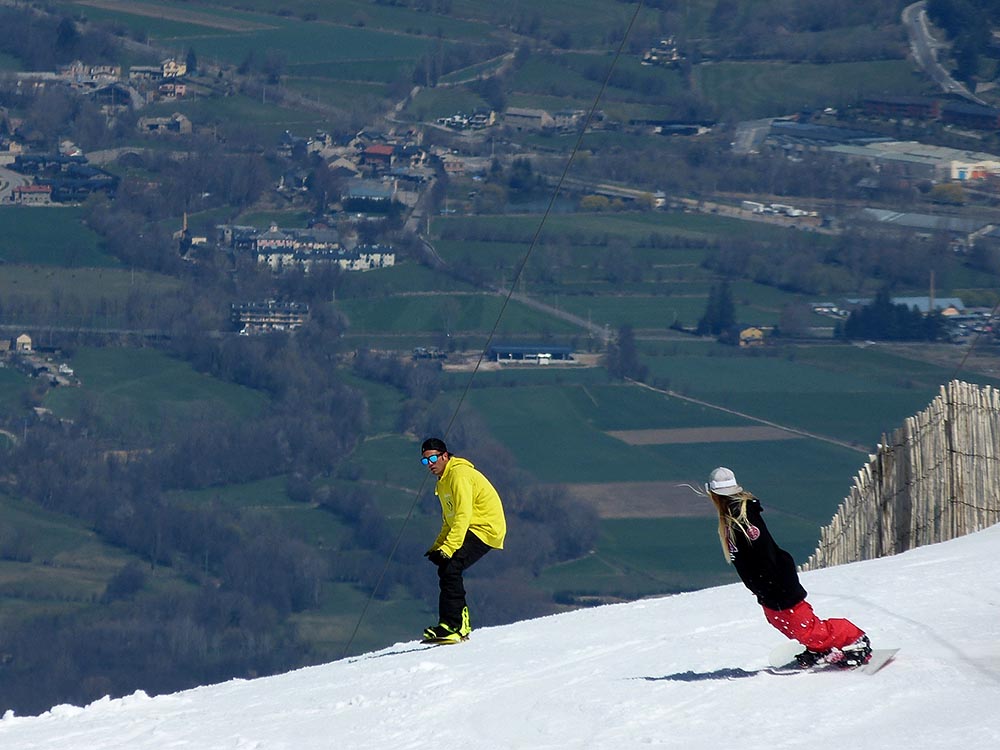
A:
<point x="8" y="181"/>
<point x="750" y="135"/>
<point x="925" y="52"/>
<point x="601" y="332"/>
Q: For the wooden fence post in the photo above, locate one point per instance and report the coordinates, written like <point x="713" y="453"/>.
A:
<point x="935" y="478"/>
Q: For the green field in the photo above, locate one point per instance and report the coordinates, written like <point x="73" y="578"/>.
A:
<point x="139" y="389"/>
<point x="268" y="120"/>
<point x="49" y="236"/>
<point x="13" y="385"/>
<point x="229" y="36"/>
<point x="88" y="297"/>
<point x="403" y="278"/>
<point x="581" y="76"/>
<point x="359" y="13"/>
<point x="447" y="314"/>
<point x="52" y="564"/>
<point x="432" y="103"/>
<point x="760" y="89"/>
<point x="632" y="226"/>
<point x="854" y="398"/>
<point x="8" y="62"/>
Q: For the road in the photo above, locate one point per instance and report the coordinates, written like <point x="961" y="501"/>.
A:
<point x="600" y="332"/>
<point x="750" y="136"/>
<point x="925" y="52"/>
<point x="699" y="206"/>
<point x="8" y="181"/>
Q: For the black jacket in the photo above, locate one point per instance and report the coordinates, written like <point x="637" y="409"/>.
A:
<point x="766" y="569"/>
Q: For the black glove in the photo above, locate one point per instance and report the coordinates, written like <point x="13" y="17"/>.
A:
<point x="436" y="556"/>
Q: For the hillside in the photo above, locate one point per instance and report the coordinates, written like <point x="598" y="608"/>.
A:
<point x="652" y="672"/>
<point x="209" y="499"/>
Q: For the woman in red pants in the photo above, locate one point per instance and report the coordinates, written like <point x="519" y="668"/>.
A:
<point x="769" y="572"/>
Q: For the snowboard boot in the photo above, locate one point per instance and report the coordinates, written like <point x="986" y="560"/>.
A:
<point x="442" y="633"/>
<point x="808" y="659"/>
<point x="852" y="655"/>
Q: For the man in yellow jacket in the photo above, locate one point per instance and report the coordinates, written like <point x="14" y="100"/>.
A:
<point x="472" y="524"/>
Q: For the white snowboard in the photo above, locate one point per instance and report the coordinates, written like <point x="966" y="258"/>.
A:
<point x="783" y="657"/>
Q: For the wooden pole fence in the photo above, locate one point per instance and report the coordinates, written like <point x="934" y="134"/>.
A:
<point x="935" y="478"/>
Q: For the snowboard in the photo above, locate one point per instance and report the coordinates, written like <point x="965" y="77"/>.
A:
<point x="782" y="660"/>
<point x="442" y="641"/>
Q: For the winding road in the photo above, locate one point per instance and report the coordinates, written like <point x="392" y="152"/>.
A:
<point x="924" y="48"/>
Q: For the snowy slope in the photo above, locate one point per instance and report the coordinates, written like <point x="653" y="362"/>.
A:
<point x="626" y="676"/>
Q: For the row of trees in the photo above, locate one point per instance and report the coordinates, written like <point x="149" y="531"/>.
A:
<point x="883" y="320"/>
<point x="799" y="263"/>
<point x="813" y="31"/>
<point x="44" y="41"/>
<point x="968" y="24"/>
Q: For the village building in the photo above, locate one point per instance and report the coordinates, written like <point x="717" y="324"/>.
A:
<point x="751" y="336"/>
<point x="538" y="354"/>
<point x="171" y="68"/>
<point x="269" y="315"/>
<point x="176" y="124"/>
<point x="528" y="119"/>
<point x="32" y="195"/>
<point x="379" y="155"/>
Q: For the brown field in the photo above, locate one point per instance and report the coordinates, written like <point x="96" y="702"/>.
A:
<point x="665" y="499"/>
<point x="643" y="500"/>
<point x="176" y="14"/>
<point x="702" y="435"/>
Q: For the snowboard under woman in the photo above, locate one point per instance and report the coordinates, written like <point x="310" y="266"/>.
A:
<point x="769" y="572"/>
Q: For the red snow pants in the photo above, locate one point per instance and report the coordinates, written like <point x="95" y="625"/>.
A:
<point x="801" y="624"/>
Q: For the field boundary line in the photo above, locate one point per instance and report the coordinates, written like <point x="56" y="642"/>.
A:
<point x="769" y="423"/>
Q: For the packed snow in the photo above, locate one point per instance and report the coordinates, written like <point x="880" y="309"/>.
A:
<point x="682" y="671"/>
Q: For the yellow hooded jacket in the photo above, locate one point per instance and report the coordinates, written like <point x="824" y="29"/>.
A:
<point x="468" y="503"/>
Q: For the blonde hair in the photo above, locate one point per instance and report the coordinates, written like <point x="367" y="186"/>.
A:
<point x="728" y="522"/>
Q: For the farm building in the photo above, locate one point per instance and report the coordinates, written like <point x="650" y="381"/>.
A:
<point x="537" y="353"/>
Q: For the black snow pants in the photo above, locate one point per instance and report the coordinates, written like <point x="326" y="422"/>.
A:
<point x="452" y="599"/>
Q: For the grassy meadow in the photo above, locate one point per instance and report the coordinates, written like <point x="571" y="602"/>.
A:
<point x="136" y="390"/>
<point x="49" y="236"/>
<point x="448" y="314"/>
<point x="753" y="90"/>
<point x="92" y="287"/>
<point x="52" y="564"/>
